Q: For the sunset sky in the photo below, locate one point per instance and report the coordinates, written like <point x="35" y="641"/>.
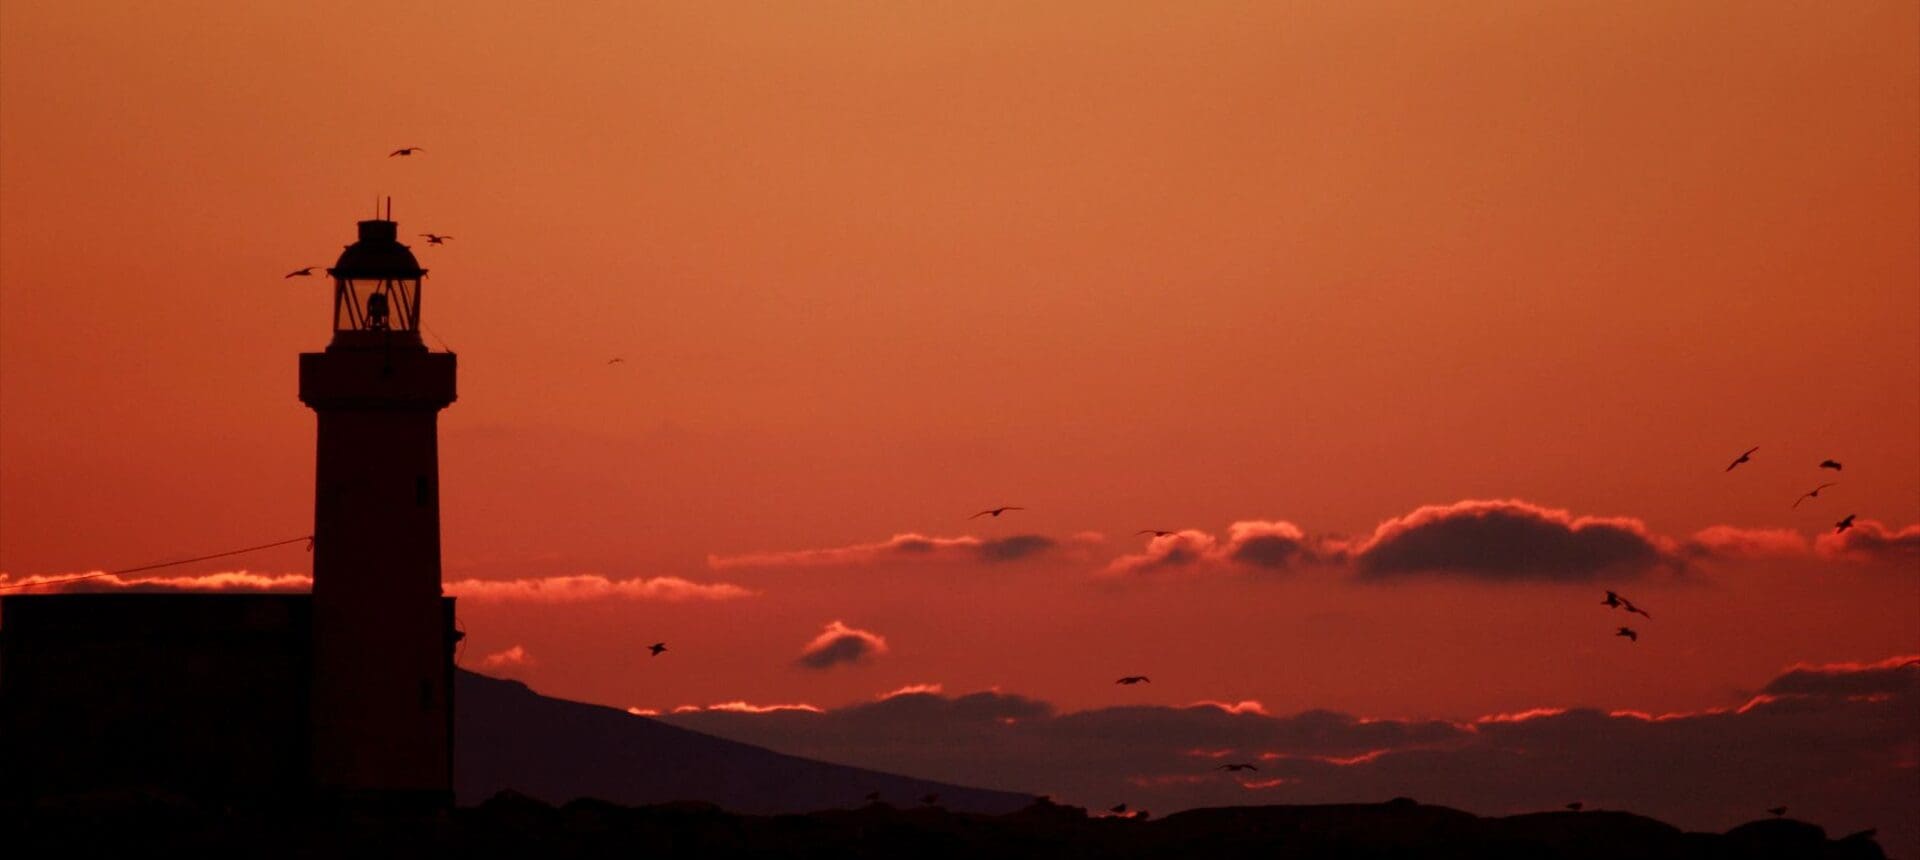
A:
<point x="1459" y="310"/>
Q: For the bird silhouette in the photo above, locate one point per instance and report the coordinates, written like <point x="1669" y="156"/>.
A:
<point x="1613" y="600"/>
<point x="1830" y="464"/>
<point x="1743" y="458"/>
<point x="1130" y="680"/>
<point x="1237" y="767"/>
<point x="1628" y="606"/>
<point x="1154" y="532"/>
<point x="1844" y="524"/>
<point x="1811" y="494"/>
<point x="658" y="647"/>
<point x="1629" y="633"/>
<point x="1118" y="809"/>
<point x="405" y="151"/>
<point x="615" y="360"/>
<point x="435" y="238"/>
<point x="995" y="511"/>
<point x="1574" y="806"/>
<point x="300" y="273"/>
<point x="1777" y="811"/>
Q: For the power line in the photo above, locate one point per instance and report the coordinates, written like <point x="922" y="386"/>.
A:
<point x="66" y="579"/>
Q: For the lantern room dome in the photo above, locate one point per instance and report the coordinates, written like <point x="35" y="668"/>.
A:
<point x="378" y="255"/>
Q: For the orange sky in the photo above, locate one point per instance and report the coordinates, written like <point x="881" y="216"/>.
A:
<point x="874" y="266"/>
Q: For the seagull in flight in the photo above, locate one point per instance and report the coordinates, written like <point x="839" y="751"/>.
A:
<point x="435" y="238"/>
<point x="615" y="360"/>
<point x="1830" y="464"/>
<point x="1845" y="524"/>
<point x="1154" y="532"/>
<point x="996" y="511"/>
<point x="1810" y="494"/>
<point x="657" y="648"/>
<point x="1743" y="458"/>
<point x="1614" y="600"/>
<point x="1574" y="806"/>
<point x="405" y="151"/>
<point x="1131" y="680"/>
<point x="1629" y="633"/>
<point x="300" y="273"/>
<point x="1777" y="811"/>
<point x="1237" y="767"/>
<point x="1118" y="809"/>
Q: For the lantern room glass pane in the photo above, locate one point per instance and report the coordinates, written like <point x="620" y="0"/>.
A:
<point x="377" y="304"/>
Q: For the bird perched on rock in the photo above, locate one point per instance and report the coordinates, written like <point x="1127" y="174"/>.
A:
<point x="1629" y="633"/>
<point x="1131" y="680"/>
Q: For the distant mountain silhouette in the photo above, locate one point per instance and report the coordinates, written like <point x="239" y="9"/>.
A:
<point x="507" y="737"/>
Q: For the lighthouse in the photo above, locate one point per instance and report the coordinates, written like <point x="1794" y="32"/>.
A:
<point x="380" y="706"/>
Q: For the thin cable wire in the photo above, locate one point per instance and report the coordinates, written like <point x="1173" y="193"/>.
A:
<point x="98" y="574"/>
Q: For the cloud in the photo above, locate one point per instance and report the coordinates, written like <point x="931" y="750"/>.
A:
<point x="1871" y="540"/>
<point x="512" y="658"/>
<point x="1252" y="544"/>
<point x="587" y="587"/>
<point x="914" y="690"/>
<point x="549" y="589"/>
<point x="1852" y="730"/>
<point x="839" y="645"/>
<point x="1733" y="542"/>
<point x="902" y="548"/>
<point x="1510" y="541"/>
<point x="97" y="581"/>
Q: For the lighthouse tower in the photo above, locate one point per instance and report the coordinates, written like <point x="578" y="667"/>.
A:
<point x="383" y="635"/>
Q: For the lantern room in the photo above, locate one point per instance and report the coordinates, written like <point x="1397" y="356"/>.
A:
<point x="376" y="290"/>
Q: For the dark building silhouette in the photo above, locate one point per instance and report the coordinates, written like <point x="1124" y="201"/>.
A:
<point x="346" y="693"/>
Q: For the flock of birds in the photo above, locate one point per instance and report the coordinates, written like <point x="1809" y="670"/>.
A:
<point x="1613" y="600"/>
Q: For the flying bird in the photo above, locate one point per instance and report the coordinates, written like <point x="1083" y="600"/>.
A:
<point x="435" y="239"/>
<point x="615" y="360"/>
<point x="1777" y="811"/>
<point x="1615" y="601"/>
<point x="1574" y="806"/>
<point x="1118" y="809"/>
<point x="405" y="151"/>
<point x="1130" y="680"/>
<point x="1810" y="494"/>
<point x="995" y="511"/>
<point x="1154" y="532"/>
<point x="1629" y="633"/>
<point x="1743" y="458"/>
<point x="1830" y="464"/>
<point x="1237" y="767"/>
<point x="300" y="273"/>
<point x="1845" y="524"/>
<point x="658" y="647"/>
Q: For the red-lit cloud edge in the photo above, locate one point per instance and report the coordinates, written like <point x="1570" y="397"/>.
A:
<point x="1490" y="540"/>
<point x="548" y="589"/>
<point x="1837" y="742"/>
